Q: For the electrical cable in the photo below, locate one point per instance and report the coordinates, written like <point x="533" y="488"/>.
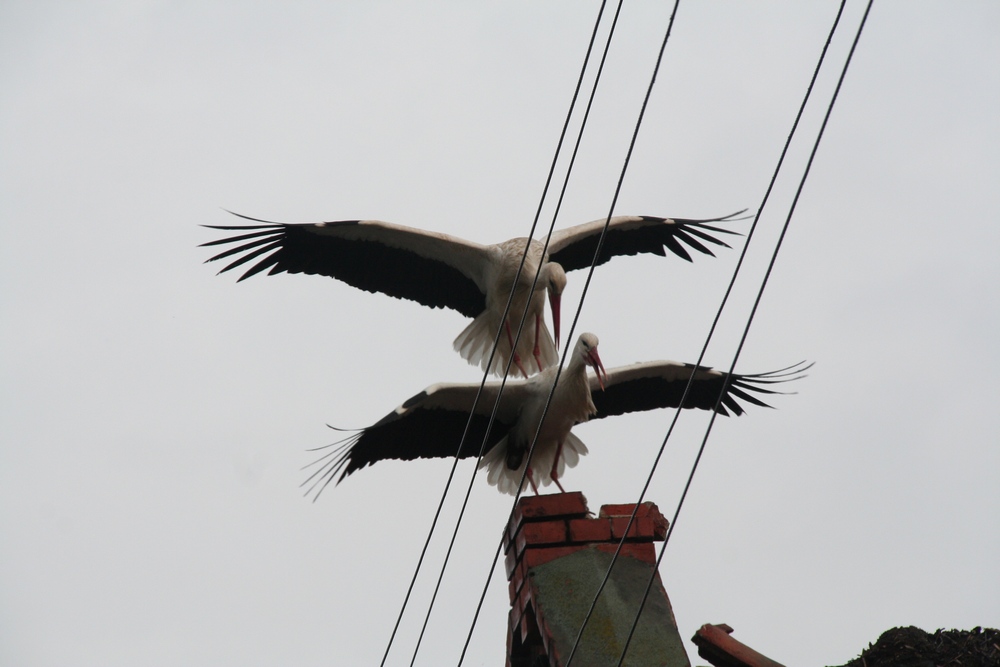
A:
<point x="576" y="317"/>
<point x="521" y="323"/>
<point x="746" y="330"/>
<point x="708" y="338"/>
<point x="489" y="364"/>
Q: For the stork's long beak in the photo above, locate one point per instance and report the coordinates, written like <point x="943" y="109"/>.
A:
<point x="595" y="361"/>
<point x="554" y="300"/>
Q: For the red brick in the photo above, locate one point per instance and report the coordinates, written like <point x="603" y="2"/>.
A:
<point x="645" y="528"/>
<point x="541" y="533"/>
<point x="641" y="529"/>
<point x="643" y="551"/>
<point x="514" y="617"/>
<point x="520" y="573"/>
<point x="539" y="508"/>
<point x="508" y="540"/>
<point x="517" y="606"/>
<point x="552" y="505"/>
<point x="645" y="509"/>
<point x="589" y="530"/>
<point x="510" y="562"/>
<point x="660" y="523"/>
<point x="514" y="586"/>
<point x="524" y="598"/>
<point x="659" y="520"/>
<point x="625" y="509"/>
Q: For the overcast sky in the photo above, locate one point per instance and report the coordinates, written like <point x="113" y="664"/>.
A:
<point x="155" y="416"/>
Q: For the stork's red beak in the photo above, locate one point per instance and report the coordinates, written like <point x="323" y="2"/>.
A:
<point x="595" y="361"/>
<point x="554" y="305"/>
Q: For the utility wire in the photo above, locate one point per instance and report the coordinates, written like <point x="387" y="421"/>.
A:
<point x="521" y="323"/>
<point x="746" y="331"/>
<point x="708" y="339"/>
<point x="576" y="318"/>
<point x="489" y="364"/>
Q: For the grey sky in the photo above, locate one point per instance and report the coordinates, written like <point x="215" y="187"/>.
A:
<point x="155" y="416"/>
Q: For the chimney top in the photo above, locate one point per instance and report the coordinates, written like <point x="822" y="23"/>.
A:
<point x="557" y="555"/>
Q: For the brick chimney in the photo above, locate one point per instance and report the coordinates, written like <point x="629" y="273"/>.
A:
<point x="557" y="555"/>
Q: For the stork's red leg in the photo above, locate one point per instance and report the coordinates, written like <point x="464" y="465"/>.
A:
<point x="513" y="352"/>
<point x="555" y="478"/>
<point x="531" y="480"/>
<point x="537" y="351"/>
<point x="554" y="474"/>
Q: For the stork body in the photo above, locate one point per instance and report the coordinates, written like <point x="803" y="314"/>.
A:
<point x="535" y="343"/>
<point x="570" y="405"/>
<point x="431" y="424"/>
<point x="443" y="271"/>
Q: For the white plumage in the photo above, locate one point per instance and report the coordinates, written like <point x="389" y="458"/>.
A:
<point x="535" y="343"/>
<point x="571" y="404"/>
<point x="443" y="271"/>
<point x="445" y="419"/>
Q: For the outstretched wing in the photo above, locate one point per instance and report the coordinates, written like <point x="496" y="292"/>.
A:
<point x="574" y="247"/>
<point x="428" y="425"/>
<point x="660" y="384"/>
<point x="433" y="269"/>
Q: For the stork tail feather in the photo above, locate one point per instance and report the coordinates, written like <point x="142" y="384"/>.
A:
<point x="475" y="343"/>
<point x="506" y="479"/>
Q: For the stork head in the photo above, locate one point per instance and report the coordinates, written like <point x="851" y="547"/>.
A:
<point x="555" y="283"/>
<point x="586" y="350"/>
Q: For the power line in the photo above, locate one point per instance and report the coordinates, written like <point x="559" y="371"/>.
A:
<point x="489" y="364"/>
<point x="708" y="338"/>
<point x="520" y="330"/>
<point x="576" y="317"/>
<point x="746" y="331"/>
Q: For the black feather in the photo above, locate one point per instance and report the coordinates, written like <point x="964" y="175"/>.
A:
<point x="367" y="265"/>
<point x="650" y="239"/>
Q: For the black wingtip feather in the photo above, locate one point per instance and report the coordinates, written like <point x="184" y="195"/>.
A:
<point x="686" y="236"/>
<point x="337" y="461"/>
<point x="269" y="231"/>
<point x="738" y="392"/>
<point x="708" y="238"/>
<point x="239" y="261"/>
<point x="259" y="266"/>
<point x="677" y="248"/>
<point x="247" y="217"/>
<point x="235" y="251"/>
<point x="742" y="385"/>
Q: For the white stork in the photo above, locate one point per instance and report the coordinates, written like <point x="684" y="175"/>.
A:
<point x="430" y="425"/>
<point x="443" y="271"/>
